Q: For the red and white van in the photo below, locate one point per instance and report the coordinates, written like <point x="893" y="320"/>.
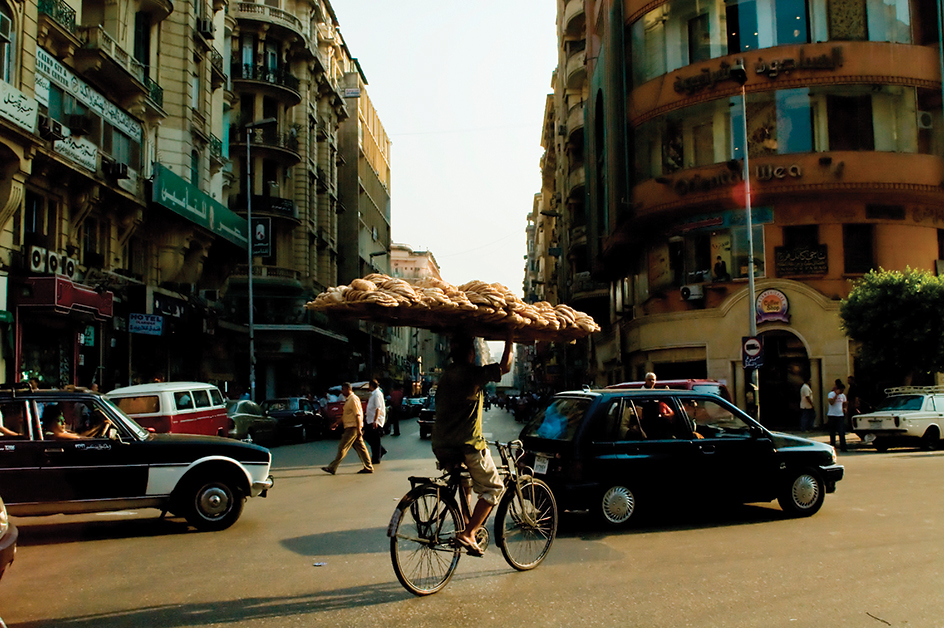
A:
<point x="175" y="407"/>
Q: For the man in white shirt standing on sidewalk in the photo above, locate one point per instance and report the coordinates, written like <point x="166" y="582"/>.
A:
<point x="375" y="419"/>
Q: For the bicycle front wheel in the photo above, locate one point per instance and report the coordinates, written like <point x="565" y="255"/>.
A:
<point x="525" y="525"/>
<point x="422" y="541"/>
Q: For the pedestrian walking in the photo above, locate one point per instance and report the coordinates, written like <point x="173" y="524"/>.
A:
<point x="396" y="409"/>
<point x="375" y="419"/>
<point x="807" y="412"/>
<point x="352" y="418"/>
<point x="837" y="415"/>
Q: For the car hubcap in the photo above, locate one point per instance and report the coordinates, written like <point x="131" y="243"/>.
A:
<point x="805" y="491"/>
<point x="618" y="504"/>
<point x="214" y="502"/>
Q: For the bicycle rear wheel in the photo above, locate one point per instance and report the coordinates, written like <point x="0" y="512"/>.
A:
<point x="422" y="541"/>
<point x="525" y="527"/>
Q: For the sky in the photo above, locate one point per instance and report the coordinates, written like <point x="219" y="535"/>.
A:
<point x="460" y="88"/>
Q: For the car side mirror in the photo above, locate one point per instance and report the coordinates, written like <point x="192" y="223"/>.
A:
<point x="756" y="431"/>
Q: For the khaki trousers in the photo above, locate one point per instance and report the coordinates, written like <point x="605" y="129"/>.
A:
<point x="351" y="438"/>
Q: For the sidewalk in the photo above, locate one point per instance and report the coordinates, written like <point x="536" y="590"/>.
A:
<point x="853" y="442"/>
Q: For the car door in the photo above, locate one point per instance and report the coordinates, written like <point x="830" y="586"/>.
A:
<point x="21" y="456"/>
<point x="729" y="452"/>
<point x="621" y="450"/>
<point x="91" y="468"/>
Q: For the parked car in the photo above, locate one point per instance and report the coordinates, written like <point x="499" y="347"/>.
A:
<point x="175" y="407"/>
<point x="412" y="406"/>
<point x="109" y="462"/>
<point x="712" y="386"/>
<point x="910" y="415"/>
<point x="8" y="536"/>
<point x="427" y="416"/>
<point x="250" y="422"/>
<point x="295" y="417"/>
<point x="335" y="408"/>
<point x="617" y="452"/>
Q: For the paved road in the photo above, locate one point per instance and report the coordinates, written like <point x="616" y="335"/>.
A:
<point x="314" y="554"/>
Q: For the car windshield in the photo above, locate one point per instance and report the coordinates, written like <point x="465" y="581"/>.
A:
<point x="131" y="424"/>
<point x="559" y="420"/>
<point x="902" y="402"/>
<point x="280" y="404"/>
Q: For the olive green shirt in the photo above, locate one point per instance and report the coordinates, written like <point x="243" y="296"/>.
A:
<point x="459" y="405"/>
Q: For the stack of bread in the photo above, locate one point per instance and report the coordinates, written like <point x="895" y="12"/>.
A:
<point x="487" y="310"/>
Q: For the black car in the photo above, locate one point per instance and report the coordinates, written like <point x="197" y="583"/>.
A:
<point x="614" y="452"/>
<point x="427" y="417"/>
<point x="412" y="406"/>
<point x="250" y="423"/>
<point x="296" y="418"/>
<point x="76" y="452"/>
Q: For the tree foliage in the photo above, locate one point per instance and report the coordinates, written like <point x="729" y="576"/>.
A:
<point x="898" y="319"/>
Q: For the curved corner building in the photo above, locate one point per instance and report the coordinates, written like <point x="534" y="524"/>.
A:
<point x="844" y="142"/>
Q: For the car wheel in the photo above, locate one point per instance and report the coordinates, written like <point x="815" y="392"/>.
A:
<point x="803" y="495"/>
<point x="930" y="439"/>
<point x="211" y="503"/>
<point x="617" y="505"/>
<point x="880" y="444"/>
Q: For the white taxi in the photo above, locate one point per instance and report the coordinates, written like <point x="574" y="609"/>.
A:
<point x="910" y="415"/>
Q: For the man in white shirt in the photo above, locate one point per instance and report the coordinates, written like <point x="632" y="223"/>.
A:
<point x="807" y="413"/>
<point x="837" y="415"/>
<point x="374" y="420"/>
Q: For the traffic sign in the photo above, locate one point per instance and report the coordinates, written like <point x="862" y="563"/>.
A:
<point x="752" y="352"/>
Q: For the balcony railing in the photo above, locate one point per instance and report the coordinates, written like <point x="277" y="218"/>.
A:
<point x="272" y="14"/>
<point x="277" y="76"/>
<point x="155" y="91"/>
<point x="216" y="60"/>
<point x="60" y="12"/>
<point x="95" y="38"/>
<point x="265" y="137"/>
<point x="216" y="149"/>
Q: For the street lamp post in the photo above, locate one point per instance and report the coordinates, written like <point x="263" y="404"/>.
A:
<point x="249" y="239"/>
<point x="739" y="74"/>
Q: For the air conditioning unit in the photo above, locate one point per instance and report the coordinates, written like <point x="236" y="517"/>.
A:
<point x="50" y="129"/>
<point x="692" y="292"/>
<point x="115" y="169"/>
<point x="80" y="124"/>
<point x="205" y="27"/>
<point x="210" y="295"/>
<point x="925" y="120"/>
<point x="62" y="265"/>
<point x="37" y="259"/>
<point x="52" y="264"/>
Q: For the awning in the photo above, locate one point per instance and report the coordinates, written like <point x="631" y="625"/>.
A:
<point x="65" y="297"/>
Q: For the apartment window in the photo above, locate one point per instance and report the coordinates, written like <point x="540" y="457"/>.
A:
<point x="195" y="168"/>
<point x="793" y="22"/>
<point x="857" y="248"/>
<point x="850" y="122"/>
<point x="120" y="147"/>
<point x="39" y="221"/>
<point x="142" y="40"/>
<point x="940" y="243"/>
<point x="699" y="39"/>
<point x="742" y="26"/>
<point x="6" y="45"/>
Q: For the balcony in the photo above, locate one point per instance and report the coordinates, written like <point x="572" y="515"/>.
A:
<point x="584" y="287"/>
<point x="267" y="143"/>
<point x="56" y="29"/>
<point x="217" y="69"/>
<point x="269" y="15"/>
<point x="158" y="9"/>
<point x="102" y="59"/>
<point x="217" y="158"/>
<point x="266" y="205"/>
<point x="575" y="72"/>
<point x="282" y="83"/>
<point x="575" y="122"/>
<point x="576" y="182"/>
<point x="574" y="21"/>
<point x="262" y="275"/>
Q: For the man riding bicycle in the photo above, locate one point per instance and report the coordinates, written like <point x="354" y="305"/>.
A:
<point x="457" y="432"/>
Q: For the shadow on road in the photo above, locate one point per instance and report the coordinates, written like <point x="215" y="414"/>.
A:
<point x="62" y="532"/>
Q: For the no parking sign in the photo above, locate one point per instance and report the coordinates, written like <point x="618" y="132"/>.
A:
<point x="752" y="352"/>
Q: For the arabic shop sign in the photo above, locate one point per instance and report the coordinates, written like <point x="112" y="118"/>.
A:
<point x="17" y="107"/>
<point x="709" y="77"/>
<point x="173" y="192"/>
<point x="79" y="150"/>
<point x="801" y="260"/>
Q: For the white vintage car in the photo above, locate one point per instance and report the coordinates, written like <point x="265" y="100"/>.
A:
<point x="909" y="415"/>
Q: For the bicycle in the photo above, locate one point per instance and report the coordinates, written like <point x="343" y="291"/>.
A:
<point x="422" y="530"/>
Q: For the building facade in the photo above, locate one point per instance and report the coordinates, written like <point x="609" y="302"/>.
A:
<point x="137" y="138"/>
<point x="842" y="150"/>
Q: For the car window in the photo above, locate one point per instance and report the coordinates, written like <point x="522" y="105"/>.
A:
<point x="216" y="396"/>
<point x="201" y="398"/>
<point x="304" y="406"/>
<point x="902" y="402"/>
<point x="712" y="420"/>
<point x="183" y="401"/>
<point x="607" y="423"/>
<point x="145" y="404"/>
<point x="559" y="420"/>
<point x="13" y="422"/>
<point x="660" y="419"/>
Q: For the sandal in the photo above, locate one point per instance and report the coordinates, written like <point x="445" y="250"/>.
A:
<point x="471" y="548"/>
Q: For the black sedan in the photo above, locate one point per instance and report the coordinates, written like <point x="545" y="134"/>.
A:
<point x="617" y="451"/>
<point x="295" y="417"/>
<point x="250" y="422"/>
<point x="76" y="452"/>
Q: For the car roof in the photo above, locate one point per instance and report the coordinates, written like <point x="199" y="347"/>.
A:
<point x="160" y="387"/>
<point x="634" y="392"/>
<point x="671" y="383"/>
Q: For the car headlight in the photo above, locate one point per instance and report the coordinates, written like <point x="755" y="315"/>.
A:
<point x="4" y="519"/>
<point x="835" y="458"/>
